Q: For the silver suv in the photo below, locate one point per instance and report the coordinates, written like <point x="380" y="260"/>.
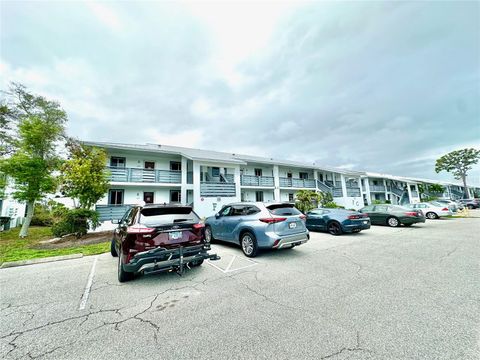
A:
<point x="257" y="225"/>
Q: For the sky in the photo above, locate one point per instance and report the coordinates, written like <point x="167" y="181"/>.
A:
<point x="367" y="85"/>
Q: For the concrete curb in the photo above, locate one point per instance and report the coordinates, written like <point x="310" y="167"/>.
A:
<point x="40" y="260"/>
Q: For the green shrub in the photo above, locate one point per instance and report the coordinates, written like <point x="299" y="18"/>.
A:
<point x="332" y="205"/>
<point x="75" y="221"/>
<point x="42" y="216"/>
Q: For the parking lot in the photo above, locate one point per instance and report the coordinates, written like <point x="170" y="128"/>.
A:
<point x="386" y="293"/>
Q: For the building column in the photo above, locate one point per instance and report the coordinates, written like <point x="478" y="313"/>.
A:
<point x="366" y="181"/>
<point x="409" y="193"/>
<point x="183" y="191"/>
<point x="276" y="183"/>
<point x="237" y="180"/>
<point x="386" y="191"/>
<point x="344" y="186"/>
<point x="315" y="177"/>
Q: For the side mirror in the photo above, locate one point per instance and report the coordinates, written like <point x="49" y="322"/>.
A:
<point x="217" y="215"/>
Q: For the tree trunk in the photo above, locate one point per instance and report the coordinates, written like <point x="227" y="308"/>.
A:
<point x="28" y="219"/>
<point x="465" y="188"/>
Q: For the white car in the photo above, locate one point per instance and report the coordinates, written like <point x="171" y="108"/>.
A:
<point x="432" y="210"/>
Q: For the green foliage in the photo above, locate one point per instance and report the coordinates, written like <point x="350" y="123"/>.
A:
<point x="39" y="125"/>
<point x="83" y="176"/>
<point x="307" y="200"/>
<point x="332" y="205"/>
<point x="325" y="198"/>
<point x="42" y="216"/>
<point x="76" y="221"/>
<point x="458" y="162"/>
<point x="377" y="202"/>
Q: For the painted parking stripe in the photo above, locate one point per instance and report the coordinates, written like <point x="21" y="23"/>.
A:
<point x="88" y="287"/>
<point x="229" y="269"/>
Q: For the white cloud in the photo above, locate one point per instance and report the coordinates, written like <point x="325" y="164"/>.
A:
<point x="106" y="15"/>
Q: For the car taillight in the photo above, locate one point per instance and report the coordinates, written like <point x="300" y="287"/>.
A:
<point x="445" y="209"/>
<point x="364" y="215"/>
<point x="411" y="213"/>
<point x="352" y="217"/>
<point x="272" y="220"/>
<point x="303" y="217"/>
<point x="198" y="226"/>
<point x="139" y="229"/>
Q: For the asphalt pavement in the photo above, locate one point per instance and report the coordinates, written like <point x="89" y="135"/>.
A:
<point x="386" y="293"/>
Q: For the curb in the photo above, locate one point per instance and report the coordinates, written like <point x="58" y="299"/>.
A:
<point x="39" y="261"/>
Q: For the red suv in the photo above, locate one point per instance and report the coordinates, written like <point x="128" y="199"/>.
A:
<point x="154" y="238"/>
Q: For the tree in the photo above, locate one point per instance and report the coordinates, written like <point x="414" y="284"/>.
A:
<point x="458" y="163"/>
<point x="83" y="175"/>
<point x="40" y="124"/>
<point x="428" y="192"/>
<point x="306" y="200"/>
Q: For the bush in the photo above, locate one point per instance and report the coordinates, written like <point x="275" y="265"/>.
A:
<point x="75" y="221"/>
<point x="42" y="216"/>
<point x="332" y="205"/>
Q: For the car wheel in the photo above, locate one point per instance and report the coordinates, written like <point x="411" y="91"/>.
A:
<point x="198" y="263"/>
<point x="334" y="228"/>
<point x="393" y="222"/>
<point x="431" y="215"/>
<point x="208" y="234"/>
<point x="248" y="242"/>
<point x="470" y="207"/>
<point x="113" y="250"/>
<point x="123" y="276"/>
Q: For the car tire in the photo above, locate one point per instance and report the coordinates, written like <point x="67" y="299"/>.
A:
<point x="431" y="215"/>
<point x="113" y="250"/>
<point x="208" y="232"/>
<point x="334" y="228"/>
<point x="197" y="263"/>
<point x="470" y="207"/>
<point x="248" y="243"/>
<point x="392" y="221"/>
<point x="123" y="276"/>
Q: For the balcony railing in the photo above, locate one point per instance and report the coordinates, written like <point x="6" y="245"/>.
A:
<point x="397" y="191"/>
<point x="324" y="187"/>
<point x="378" y="188"/>
<point x="217" y="189"/>
<point x="251" y="180"/>
<point x="353" y="191"/>
<point x="297" y="183"/>
<point x="119" y="174"/>
<point x="337" y="192"/>
<point x="111" y="212"/>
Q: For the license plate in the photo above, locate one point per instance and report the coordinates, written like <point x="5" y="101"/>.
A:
<point x="292" y="225"/>
<point x="365" y="221"/>
<point x="175" y="235"/>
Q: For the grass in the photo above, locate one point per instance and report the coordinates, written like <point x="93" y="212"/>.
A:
<point x="12" y="248"/>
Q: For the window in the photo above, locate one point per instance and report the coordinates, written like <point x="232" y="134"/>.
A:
<point x="175" y="196"/>
<point x="290" y="197"/>
<point x="117" y="162"/>
<point x="175" y="166"/>
<point x="303" y="175"/>
<point x="148" y="197"/>
<point x="381" y="208"/>
<point x="225" y="211"/>
<point x="251" y="210"/>
<point x="215" y="171"/>
<point x="368" y="208"/>
<point x="289" y="175"/>
<point x="237" y="210"/>
<point x="130" y="218"/>
<point x="259" y="196"/>
<point x="156" y="216"/>
<point x="258" y="172"/>
<point x="321" y="177"/>
<point x="115" y="197"/>
<point x="149" y="165"/>
<point x="283" y="209"/>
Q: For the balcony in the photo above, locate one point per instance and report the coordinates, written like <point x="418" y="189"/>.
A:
<point x="217" y="189"/>
<point x="118" y="174"/>
<point x="251" y="180"/>
<point x="377" y="188"/>
<point x="111" y="212"/>
<point x="353" y="191"/>
<point x="297" y="183"/>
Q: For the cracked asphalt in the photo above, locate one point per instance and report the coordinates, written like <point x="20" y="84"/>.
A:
<point x="404" y="293"/>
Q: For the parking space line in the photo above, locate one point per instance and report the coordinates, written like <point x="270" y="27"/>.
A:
<point x="231" y="262"/>
<point x="243" y="267"/>
<point x="86" y="293"/>
<point x="228" y="268"/>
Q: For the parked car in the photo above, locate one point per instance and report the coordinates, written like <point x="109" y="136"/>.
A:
<point x="257" y="225"/>
<point x="154" y="238"/>
<point x="392" y="215"/>
<point x="432" y="210"/>
<point x="470" y="203"/>
<point x="454" y="206"/>
<point x="337" y="221"/>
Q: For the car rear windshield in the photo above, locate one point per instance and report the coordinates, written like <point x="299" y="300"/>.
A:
<point x="283" y="209"/>
<point x="167" y="215"/>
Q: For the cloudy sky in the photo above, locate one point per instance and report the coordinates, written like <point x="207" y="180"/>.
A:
<point x="378" y="86"/>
